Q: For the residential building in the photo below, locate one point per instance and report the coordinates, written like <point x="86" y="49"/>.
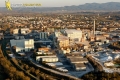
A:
<point x="24" y="30"/>
<point x="15" y="31"/>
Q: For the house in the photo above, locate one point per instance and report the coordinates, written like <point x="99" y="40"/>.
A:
<point x="24" y="30"/>
<point x="85" y="47"/>
<point x="15" y="31"/>
<point x="112" y="29"/>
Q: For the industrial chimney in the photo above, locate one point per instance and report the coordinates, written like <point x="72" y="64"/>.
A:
<point x="94" y="28"/>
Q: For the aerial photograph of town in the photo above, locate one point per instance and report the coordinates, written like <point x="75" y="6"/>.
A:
<point x="59" y="40"/>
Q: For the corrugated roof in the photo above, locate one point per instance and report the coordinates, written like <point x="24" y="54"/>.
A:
<point x="79" y="65"/>
<point x="72" y="59"/>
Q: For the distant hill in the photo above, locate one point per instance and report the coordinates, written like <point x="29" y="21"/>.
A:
<point x="96" y="6"/>
<point x="110" y="6"/>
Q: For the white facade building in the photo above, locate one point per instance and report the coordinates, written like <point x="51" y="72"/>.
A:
<point x="23" y="45"/>
<point x="47" y="58"/>
<point x="73" y="34"/>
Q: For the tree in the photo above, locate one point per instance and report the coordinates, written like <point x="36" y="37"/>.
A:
<point x="26" y="67"/>
<point x="28" y="71"/>
<point x="11" y="75"/>
<point x="5" y="26"/>
<point x="26" y="78"/>
<point x="32" y="70"/>
<point x="12" y="69"/>
<point x="19" y="75"/>
<point x="37" y="71"/>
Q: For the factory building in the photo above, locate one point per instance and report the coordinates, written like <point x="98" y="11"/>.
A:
<point x="22" y="45"/>
<point x="43" y="35"/>
<point x="77" y="62"/>
<point x="73" y="34"/>
<point x="47" y="58"/>
<point x="62" y="41"/>
<point x="79" y="66"/>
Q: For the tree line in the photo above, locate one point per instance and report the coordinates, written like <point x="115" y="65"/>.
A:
<point x="11" y="72"/>
<point x="101" y="75"/>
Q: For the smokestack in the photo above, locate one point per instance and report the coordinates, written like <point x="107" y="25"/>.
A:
<point x="94" y="28"/>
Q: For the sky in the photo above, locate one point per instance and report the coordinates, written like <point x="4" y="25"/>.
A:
<point x="55" y="3"/>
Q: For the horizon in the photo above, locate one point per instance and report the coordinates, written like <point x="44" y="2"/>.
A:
<point x="54" y="3"/>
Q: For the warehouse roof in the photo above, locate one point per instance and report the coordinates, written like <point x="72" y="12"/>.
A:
<point x="79" y="65"/>
<point x="76" y="60"/>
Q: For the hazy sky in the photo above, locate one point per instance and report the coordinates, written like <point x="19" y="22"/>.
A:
<point x="56" y="3"/>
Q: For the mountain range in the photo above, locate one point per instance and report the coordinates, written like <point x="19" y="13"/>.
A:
<point x="96" y="6"/>
<point x="110" y="6"/>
